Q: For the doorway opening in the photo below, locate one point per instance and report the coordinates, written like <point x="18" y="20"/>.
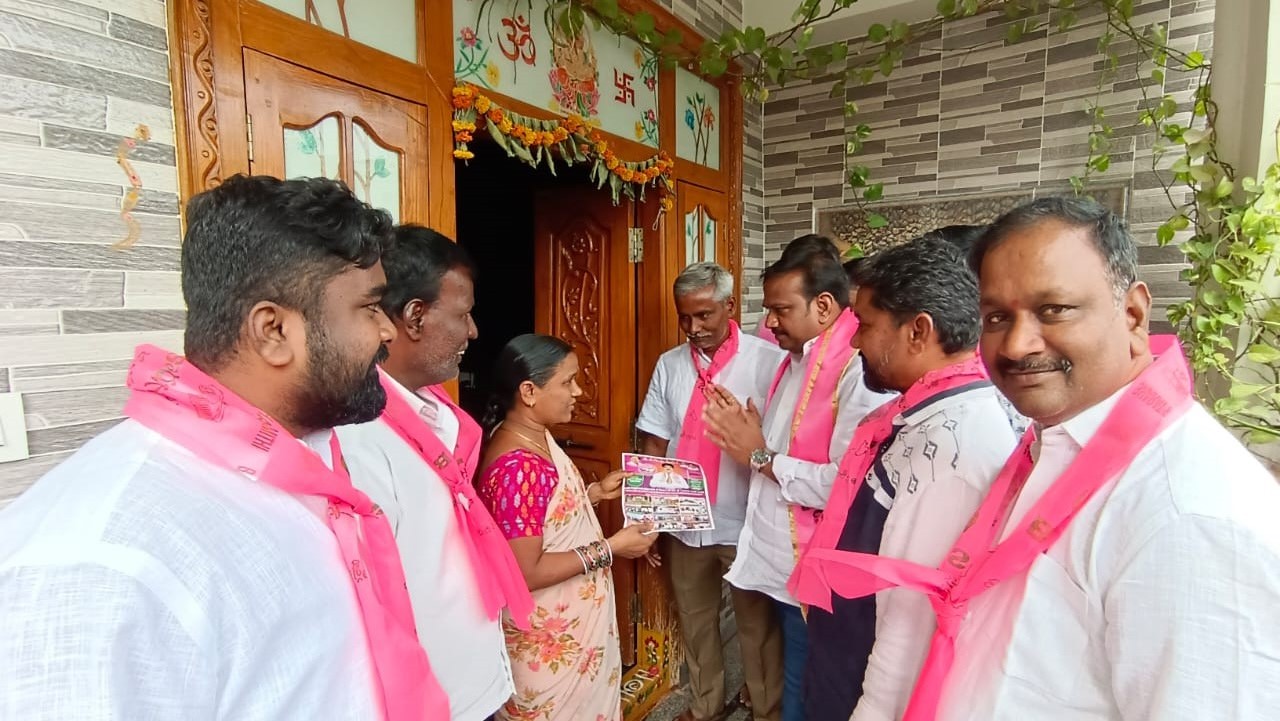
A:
<point x="496" y="219"/>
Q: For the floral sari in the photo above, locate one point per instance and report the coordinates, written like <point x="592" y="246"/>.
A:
<point x="567" y="666"/>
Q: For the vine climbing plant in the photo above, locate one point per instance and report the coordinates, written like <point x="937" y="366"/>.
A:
<point x="1227" y="226"/>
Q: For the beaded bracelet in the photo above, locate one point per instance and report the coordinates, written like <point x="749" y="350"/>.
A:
<point x="581" y="557"/>
<point x="595" y="556"/>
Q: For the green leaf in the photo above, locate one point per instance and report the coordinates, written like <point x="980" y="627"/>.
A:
<point x="1195" y="59"/>
<point x="946" y="8"/>
<point x="1065" y="21"/>
<point x="1265" y="354"/>
<point x="1013" y="33"/>
<point x="875" y="220"/>
<point x="886" y="64"/>
<point x="643" y="23"/>
<point x="899" y="31"/>
<point x="1244" y="390"/>
<point x="873" y="192"/>
<point x="850" y="109"/>
<point x="1157" y="75"/>
<point x="877" y="33"/>
<point x="1164" y="234"/>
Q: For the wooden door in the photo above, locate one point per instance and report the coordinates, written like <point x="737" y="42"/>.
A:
<point x="702" y="219"/>
<point x="307" y="124"/>
<point x="586" y="296"/>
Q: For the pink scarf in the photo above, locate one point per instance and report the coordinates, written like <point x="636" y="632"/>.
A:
<point x="178" y="401"/>
<point x="1158" y="397"/>
<point x="814" y="419"/>
<point x="694" y="445"/>
<point x="497" y="576"/>
<point x="808" y="583"/>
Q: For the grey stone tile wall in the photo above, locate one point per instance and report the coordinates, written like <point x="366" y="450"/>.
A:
<point x="710" y="18"/>
<point x="957" y="122"/>
<point x="76" y="78"/>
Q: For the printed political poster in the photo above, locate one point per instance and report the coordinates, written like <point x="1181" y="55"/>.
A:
<point x="667" y="492"/>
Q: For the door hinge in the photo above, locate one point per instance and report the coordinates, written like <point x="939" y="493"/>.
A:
<point x="635" y="244"/>
<point x="248" y="124"/>
<point x="635" y="608"/>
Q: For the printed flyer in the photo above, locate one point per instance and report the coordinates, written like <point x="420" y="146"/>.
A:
<point x="668" y="492"/>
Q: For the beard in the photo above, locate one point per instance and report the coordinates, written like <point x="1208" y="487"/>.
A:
<point x="336" y="391"/>
<point x="871" y="376"/>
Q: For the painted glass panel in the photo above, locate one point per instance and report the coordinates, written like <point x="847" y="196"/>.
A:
<point x="387" y="25"/>
<point x="314" y="151"/>
<point x="708" y="238"/>
<point x="692" y="251"/>
<point x="610" y="81"/>
<point x="376" y="170"/>
<point x="697" y="120"/>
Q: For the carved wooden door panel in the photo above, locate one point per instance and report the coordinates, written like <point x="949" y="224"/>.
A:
<point x="586" y="296"/>
<point x="702" y="216"/>
<point x="307" y="124"/>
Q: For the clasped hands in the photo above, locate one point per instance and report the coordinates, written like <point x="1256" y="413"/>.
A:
<point x="735" y="428"/>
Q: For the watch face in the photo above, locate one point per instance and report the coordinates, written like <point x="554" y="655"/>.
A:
<point x="760" y="457"/>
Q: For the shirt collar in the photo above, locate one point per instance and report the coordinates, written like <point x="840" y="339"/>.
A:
<point x="427" y="408"/>
<point x="1084" y="425"/>
<point x="943" y="401"/>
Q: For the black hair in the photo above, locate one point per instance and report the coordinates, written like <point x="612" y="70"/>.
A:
<point x="927" y="275"/>
<point x="416" y="265"/>
<point x="961" y="236"/>
<point x="529" y="357"/>
<point x="258" y="238"/>
<point x="851" y="269"/>
<point x="1108" y="231"/>
<point x="817" y="258"/>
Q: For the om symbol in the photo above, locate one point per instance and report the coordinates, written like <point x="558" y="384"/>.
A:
<point x="518" y="43"/>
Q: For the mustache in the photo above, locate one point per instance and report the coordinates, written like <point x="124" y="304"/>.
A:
<point x="1033" y="364"/>
<point x="382" y="355"/>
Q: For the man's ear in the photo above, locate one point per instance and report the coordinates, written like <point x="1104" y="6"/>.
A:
<point x="1137" y="311"/>
<point x="922" y="330"/>
<point x="275" y="334"/>
<point x="413" y="319"/>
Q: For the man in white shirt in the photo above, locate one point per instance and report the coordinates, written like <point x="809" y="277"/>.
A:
<point x="149" y="576"/>
<point x="929" y="459"/>
<point x="697" y="560"/>
<point x="817" y="400"/>
<point x="1159" y="599"/>
<point x="429" y="298"/>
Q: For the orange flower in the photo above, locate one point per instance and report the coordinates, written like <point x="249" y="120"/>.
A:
<point x="496" y="115"/>
<point x="463" y="154"/>
<point x="611" y="163"/>
<point x="482" y="104"/>
<point x="667" y="204"/>
<point x="462" y="96"/>
<point x="561" y="134"/>
<point x="460" y="126"/>
<point x="505" y="126"/>
<point x="547" y="137"/>
<point x="601" y="148"/>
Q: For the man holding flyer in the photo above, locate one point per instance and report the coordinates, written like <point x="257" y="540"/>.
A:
<point x="717" y="352"/>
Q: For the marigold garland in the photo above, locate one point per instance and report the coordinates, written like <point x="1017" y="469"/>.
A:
<point x="532" y="140"/>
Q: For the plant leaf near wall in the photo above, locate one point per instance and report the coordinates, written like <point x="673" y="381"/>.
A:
<point x="1226" y="226"/>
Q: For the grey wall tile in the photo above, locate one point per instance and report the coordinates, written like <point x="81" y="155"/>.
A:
<point x="90" y="141"/>
<point x="126" y="28"/>
<point x="29" y="254"/>
<point x="86" y="225"/>
<point x="51" y="409"/>
<point x="4" y="380"/>
<point x="17" y="64"/>
<point x="31" y="98"/>
<point x="64" y="438"/>
<point x="116" y="321"/>
<point x="41" y="288"/>
<point x="47" y="38"/>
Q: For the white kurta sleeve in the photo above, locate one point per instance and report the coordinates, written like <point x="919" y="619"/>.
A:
<point x="1193" y="624"/>
<point x="809" y="484"/>
<point x="656" y="417"/>
<point x="87" y="643"/>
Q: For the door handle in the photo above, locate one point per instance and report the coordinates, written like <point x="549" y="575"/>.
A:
<point x="569" y="443"/>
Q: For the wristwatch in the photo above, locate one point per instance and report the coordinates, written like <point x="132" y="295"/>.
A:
<point x="760" y="458"/>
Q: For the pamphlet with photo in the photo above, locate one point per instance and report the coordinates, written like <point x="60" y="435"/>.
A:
<point x="667" y="492"/>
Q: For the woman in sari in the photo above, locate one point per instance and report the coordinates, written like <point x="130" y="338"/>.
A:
<point x="567" y="667"/>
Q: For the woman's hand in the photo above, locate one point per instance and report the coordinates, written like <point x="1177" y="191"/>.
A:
<point x="607" y="488"/>
<point x="632" y="541"/>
